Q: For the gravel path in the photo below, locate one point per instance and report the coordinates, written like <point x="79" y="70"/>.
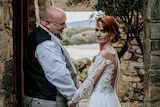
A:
<point x="83" y="51"/>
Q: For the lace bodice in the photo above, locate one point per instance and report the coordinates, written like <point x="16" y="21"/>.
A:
<point x="104" y="83"/>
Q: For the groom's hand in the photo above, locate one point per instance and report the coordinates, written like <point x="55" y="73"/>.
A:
<point x="74" y="105"/>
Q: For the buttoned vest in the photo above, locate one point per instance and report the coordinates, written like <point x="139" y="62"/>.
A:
<point x="35" y="83"/>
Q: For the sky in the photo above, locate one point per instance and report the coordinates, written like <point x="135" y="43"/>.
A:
<point x="77" y="16"/>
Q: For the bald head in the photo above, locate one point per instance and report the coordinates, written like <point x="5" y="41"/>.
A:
<point x="52" y="12"/>
<point x="54" y="19"/>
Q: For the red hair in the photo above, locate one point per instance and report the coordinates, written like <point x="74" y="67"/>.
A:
<point x="111" y="25"/>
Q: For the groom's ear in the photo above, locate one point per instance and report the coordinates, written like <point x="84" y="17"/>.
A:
<point x="48" y="24"/>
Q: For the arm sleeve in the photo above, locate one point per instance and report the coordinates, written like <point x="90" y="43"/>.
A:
<point x="52" y="60"/>
<point x="88" y="85"/>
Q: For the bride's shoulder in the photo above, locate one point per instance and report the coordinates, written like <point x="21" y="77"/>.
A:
<point x="109" y="55"/>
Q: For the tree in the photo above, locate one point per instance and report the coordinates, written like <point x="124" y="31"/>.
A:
<point x="127" y="12"/>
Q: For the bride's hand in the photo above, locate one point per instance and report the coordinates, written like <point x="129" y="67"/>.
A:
<point x="74" y="105"/>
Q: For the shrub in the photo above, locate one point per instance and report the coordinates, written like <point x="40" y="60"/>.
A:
<point x="78" y="39"/>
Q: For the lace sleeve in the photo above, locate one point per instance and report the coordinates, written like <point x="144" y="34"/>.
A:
<point x="88" y="84"/>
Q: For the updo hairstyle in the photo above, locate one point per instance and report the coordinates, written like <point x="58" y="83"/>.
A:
<point x="111" y="25"/>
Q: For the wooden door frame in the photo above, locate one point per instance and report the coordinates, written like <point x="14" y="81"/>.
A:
<point x="20" y="30"/>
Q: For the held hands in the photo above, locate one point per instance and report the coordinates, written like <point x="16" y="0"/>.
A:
<point x="74" y="105"/>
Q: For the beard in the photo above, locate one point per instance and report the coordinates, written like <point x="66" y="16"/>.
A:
<point x="59" y="36"/>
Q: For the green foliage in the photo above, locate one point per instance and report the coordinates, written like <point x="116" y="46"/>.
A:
<point x="78" y="39"/>
<point x="79" y="36"/>
<point x="83" y="75"/>
<point x="94" y="57"/>
<point x="90" y="37"/>
<point x="119" y="7"/>
<point x="70" y="32"/>
<point x="66" y="41"/>
<point x="74" y="2"/>
<point x="73" y="30"/>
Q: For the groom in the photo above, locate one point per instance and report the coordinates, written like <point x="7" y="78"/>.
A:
<point x="50" y="77"/>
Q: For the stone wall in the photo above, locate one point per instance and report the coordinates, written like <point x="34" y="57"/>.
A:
<point x="152" y="53"/>
<point x="131" y="77"/>
<point x="6" y="52"/>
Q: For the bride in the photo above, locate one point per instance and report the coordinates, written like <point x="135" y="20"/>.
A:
<point x="102" y="75"/>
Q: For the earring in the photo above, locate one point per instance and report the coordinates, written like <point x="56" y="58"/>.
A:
<point x="110" y="39"/>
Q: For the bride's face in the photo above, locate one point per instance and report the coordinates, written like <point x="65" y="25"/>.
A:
<point x="102" y="36"/>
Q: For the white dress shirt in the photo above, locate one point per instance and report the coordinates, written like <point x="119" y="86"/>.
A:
<point x="52" y="60"/>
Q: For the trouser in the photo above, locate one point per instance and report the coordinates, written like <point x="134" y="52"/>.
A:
<point x="36" y="102"/>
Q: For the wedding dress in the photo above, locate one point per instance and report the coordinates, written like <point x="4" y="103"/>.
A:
<point x="103" y="94"/>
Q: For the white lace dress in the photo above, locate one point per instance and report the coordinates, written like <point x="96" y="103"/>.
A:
<point x="103" y="94"/>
